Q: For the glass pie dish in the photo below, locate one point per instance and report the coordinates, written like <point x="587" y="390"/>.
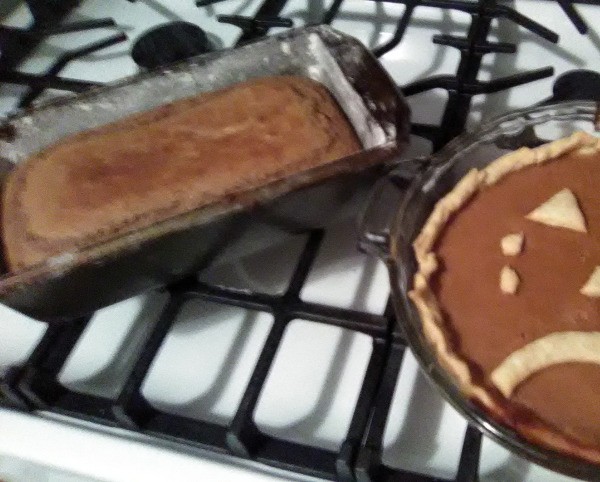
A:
<point x="401" y="204"/>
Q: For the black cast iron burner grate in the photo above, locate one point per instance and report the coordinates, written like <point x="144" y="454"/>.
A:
<point x="34" y="386"/>
<point x="17" y="43"/>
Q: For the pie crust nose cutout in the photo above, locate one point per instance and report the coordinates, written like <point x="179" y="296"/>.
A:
<point x="512" y="244"/>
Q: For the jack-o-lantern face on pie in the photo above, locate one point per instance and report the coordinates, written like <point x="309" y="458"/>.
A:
<point x="508" y="291"/>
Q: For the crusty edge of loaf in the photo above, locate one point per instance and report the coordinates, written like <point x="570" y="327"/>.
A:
<point x="427" y="305"/>
<point x="41" y="248"/>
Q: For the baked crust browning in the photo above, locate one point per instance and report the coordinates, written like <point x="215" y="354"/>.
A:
<point x="435" y="324"/>
<point x="127" y="175"/>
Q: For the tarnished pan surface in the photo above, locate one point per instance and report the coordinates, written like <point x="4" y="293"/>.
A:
<point x="75" y="283"/>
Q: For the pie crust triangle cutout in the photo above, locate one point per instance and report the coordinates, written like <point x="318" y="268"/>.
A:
<point x="560" y="211"/>
<point x="592" y="286"/>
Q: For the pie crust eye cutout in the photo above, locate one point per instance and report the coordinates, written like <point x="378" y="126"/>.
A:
<point x="592" y="286"/>
<point x="560" y="211"/>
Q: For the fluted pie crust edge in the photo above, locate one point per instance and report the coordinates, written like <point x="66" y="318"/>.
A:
<point x="426" y="303"/>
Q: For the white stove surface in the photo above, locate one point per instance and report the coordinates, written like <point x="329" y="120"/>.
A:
<point x="313" y="386"/>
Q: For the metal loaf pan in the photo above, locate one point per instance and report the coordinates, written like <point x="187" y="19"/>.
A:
<point x="77" y="283"/>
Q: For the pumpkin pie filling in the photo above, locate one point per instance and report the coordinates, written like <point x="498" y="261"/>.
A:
<point x="483" y="325"/>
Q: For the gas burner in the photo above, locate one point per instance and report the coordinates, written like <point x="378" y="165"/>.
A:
<point x="577" y="85"/>
<point x="170" y="43"/>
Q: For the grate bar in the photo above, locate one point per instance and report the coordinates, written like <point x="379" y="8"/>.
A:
<point x="504" y="83"/>
<point x="72" y="27"/>
<point x="528" y="23"/>
<point x="307" y="258"/>
<point x="370" y="324"/>
<point x="449" y="83"/>
<point x="464" y="44"/>
<point x="389" y="475"/>
<point x="492" y="10"/>
<point x="297" y="457"/>
<point x="56" y="344"/>
<point x="45" y="82"/>
<point x="446" y="82"/>
<point x="368" y="462"/>
<point x="61" y="63"/>
<point x="233" y="297"/>
<point x="468" y="467"/>
<point x="49" y="12"/>
<point x="244" y="437"/>
<point x="362" y="413"/>
<point x="429" y="132"/>
<point x="400" y="30"/>
<point x="373" y="325"/>
<point x="187" y="431"/>
<point x="248" y="24"/>
<point x="269" y="9"/>
<point x="575" y="18"/>
<point x="36" y="380"/>
<point x="332" y="12"/>
<point x="131" y="409"/>
<point x="45" y="14"/>
<point x="10" y="395"/>
<point x="93" y="408"/>
<point x="466" y="84"/>
<point x="207" y="3"/>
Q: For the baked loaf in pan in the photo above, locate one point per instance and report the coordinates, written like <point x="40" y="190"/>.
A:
<point x="151" y="166"/>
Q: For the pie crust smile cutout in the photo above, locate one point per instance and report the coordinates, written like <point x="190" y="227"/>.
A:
<point x="530" y="358"/>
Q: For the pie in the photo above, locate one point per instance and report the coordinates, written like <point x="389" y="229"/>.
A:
<point x="508" y="291"/>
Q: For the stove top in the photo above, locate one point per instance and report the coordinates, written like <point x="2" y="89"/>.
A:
<point x="288" y="361"/>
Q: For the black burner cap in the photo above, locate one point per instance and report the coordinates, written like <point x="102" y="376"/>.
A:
<point x="577" y="85"/>
<point x="169" y="43"/>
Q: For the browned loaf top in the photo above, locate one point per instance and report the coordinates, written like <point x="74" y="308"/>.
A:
<point x="151" y="166"/>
